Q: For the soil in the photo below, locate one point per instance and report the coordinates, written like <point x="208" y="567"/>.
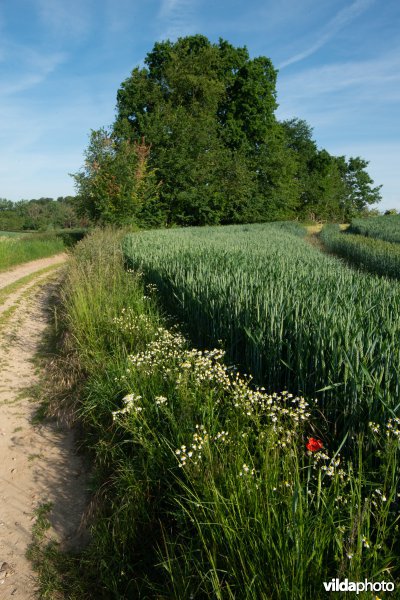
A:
<point x="12" y="275"/>
<point x="38" y="462"/>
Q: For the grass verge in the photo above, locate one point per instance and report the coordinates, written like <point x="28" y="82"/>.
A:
<point x="54" y="568"/>
<point x="205" y="486"/>
<point x="15" y="251"/>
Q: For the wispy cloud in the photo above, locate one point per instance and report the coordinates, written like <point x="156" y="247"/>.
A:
<point x="380" y="76"/>
<point x="63" y="19"/>
<point x="25" y="67"/>
<point x="349" y="105"/>
<point x="342" y="18"/>
<point x="177" y="18"/>
<point x="168" y="6"/>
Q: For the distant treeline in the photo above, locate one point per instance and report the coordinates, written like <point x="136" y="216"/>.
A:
<point x="41" y="214"/>
<point x="196" y="142"/>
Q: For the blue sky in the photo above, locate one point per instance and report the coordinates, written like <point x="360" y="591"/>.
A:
<point x="62" y="61"/>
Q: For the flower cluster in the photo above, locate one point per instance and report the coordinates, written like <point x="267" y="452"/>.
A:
<point x="247" y="471"/>
<point x="378" y="498"/>
<point x="161" y="400"/>
<point x="278" y="419"/>
<point x="392" y="428"/>
<point x="162" y="353"/>
<point x="275" y="407"/>
<point x="221" y="436"/>
<point x="131" y="404"/>
<point x="132" y="323"/>
<point x="204" y="367"/>
<point x="151" y="288"/>
<point x="195" y="451"/>
<point x="375" y="427"/>
<point x="329" y="466"/>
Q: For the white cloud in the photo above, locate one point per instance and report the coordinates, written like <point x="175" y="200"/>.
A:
<point x="168" y="6"/>
<point x="177" y="18"/>
<point x="119" y="19"/>
<point x="364" y="85"/>
<point x="26" y="68"/>
<point x="65" y="19"/>
<point x="342" y="18"/>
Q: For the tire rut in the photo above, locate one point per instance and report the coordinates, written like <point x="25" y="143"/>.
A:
<point x="39" y="465"/>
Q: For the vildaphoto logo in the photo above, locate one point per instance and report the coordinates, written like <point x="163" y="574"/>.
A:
<point x="335" y="585"/>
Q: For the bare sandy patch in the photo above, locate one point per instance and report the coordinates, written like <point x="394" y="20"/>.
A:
<point x="38" y="463"/>
<point x="12" y="275"/>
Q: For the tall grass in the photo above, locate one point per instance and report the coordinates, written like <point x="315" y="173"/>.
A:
<point x="12" y="234"/>
<point x="204" y="487"/>
<point x="369" y="253"/>
<point x="386" y="227"/>
<point x="298" y="319"/>
<point x="17" y="250"/>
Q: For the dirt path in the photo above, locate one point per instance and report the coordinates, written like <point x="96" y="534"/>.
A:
<point x="313" y="239"/>
<point x="11" y="276"/>
<point x="21" y="278"/>
<point x="38" y="464"/>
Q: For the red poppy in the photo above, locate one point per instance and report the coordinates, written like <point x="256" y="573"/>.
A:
<point x="314" y="445"/>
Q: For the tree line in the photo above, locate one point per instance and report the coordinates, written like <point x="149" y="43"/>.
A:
<point x="41" y="214"/>
<point x="196" y="141"/>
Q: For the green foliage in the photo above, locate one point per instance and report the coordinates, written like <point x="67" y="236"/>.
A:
<point x="5" y="204"/>
<point x="374" y="255"/>
<point x="203" y="485"/>
<point x="16" y="250"/>
<point x="326" y="188"/>
<point x="278" y="184"/>
<point x="10" y="220"/>
<point x="14" y="234"/>
<point x="208" y="112"/>
<point x="331" y="188"/>
<point x="358" y="183"/>
<point x="71" y="236"/>
<point x="385" y="227"/>
<point x="297" y="319"/>
<point x="43" y="214"/>
<point x="216" y="152"/>
<point x="116" y="185"/>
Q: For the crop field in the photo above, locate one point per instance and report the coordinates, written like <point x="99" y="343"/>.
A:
<point x="207" y="485"/>
<point x="385" y="228"/>
<point x="15" y="250"/>
<point x="296" y="319"/>
<point x="369" y="253"/>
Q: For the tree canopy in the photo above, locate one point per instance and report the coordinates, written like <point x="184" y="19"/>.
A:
<point x="199" y="118"/>
<point x="41" y="214"/>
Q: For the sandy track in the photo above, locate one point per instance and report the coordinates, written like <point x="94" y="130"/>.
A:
<point x="11" y="276"/>
<point x="16" y="274"/>
<point x="38" y="464"/>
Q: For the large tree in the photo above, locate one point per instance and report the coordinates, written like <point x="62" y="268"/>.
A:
<point x="215" y="151"/>
<point x="207" y="110"/>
